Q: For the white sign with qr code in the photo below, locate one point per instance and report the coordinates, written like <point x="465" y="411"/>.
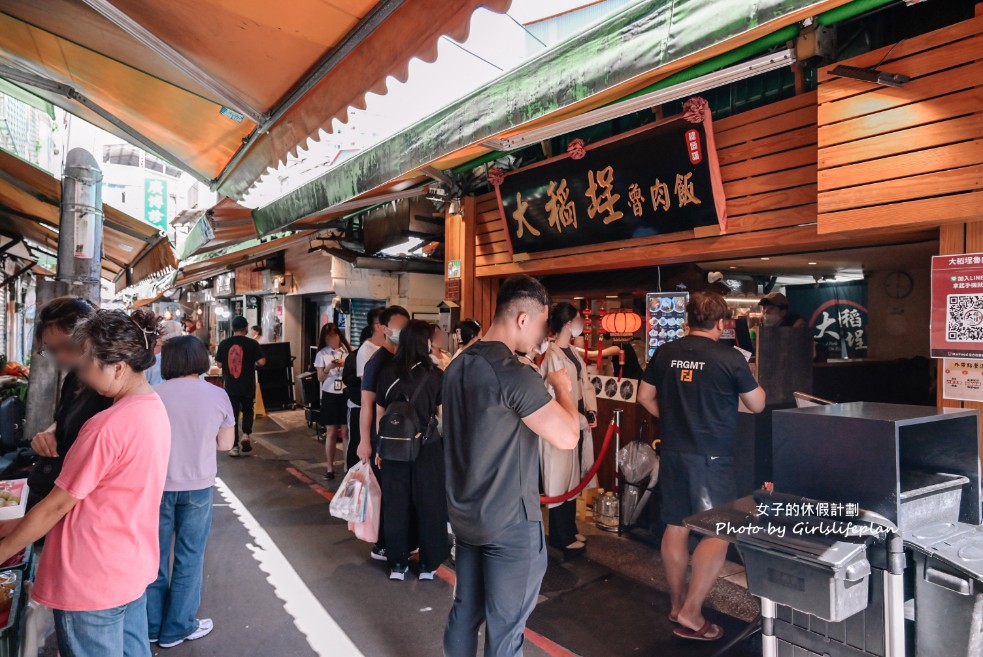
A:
<point x="964" y="318"/>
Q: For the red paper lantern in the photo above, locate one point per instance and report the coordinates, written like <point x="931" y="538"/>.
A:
<point x="621" y="323"/>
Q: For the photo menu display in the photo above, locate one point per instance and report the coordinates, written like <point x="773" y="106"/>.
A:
<point x="665" y="318"/>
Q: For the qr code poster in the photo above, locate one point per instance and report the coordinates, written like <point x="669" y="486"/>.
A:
<point x="957" y="306"/>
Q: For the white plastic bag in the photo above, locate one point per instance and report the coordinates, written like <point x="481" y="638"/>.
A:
<point x="367" y="529"/>
<point x="348" y="503"/>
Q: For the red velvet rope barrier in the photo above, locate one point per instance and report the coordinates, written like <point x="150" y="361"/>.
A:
<point x="569" y="495"/>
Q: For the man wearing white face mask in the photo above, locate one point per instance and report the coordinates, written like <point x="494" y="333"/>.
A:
<point x="392" y="319"/>
<point x="774" y="312"/>
<point x="562" y="469"/>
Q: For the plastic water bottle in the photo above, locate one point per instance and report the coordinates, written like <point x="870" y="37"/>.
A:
<point x="609" y="510"/>
<point x="598" y="500"/>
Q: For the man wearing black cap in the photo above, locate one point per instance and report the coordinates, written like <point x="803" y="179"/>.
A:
<point x="774" y="312"/>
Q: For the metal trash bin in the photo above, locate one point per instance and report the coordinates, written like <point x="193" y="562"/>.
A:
<point x="930" y="497"/>
<point x="948" y="590"/>
<point x="821" y="575"/>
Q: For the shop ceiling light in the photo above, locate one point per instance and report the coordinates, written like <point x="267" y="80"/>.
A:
<point x="679" y="91"/>
<point x="870" y="75"/>
<point x="404" y="249"/>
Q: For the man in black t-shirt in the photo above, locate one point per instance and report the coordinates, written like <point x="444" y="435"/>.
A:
<point x="391" y="320"/>
<point x="496" y="410"/>
<point x="692" y="385"/>
<point x="239" y="357"/>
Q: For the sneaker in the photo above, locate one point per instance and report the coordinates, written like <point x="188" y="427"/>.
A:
<point x="247" y="445"/>
<point x="329" y="475"/>
<point x="398" y="573"/>
<point x="234" y="451"/>
<point x="205" y="627"/>
<point x="378" y="553"/>
<point x="427" y="575"/>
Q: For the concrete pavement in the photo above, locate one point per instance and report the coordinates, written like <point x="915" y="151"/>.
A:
<point x="284" y="578"/>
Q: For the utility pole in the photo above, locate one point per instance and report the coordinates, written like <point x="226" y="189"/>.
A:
<point x="79" y="271"/>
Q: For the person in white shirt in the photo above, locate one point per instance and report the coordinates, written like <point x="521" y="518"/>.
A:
<point x="256" y="333"/>
<point x="333" y="348"/>
<point x="368" y="347"/>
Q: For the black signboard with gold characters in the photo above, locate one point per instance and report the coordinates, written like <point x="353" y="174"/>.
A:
<point x="661" y="178"/>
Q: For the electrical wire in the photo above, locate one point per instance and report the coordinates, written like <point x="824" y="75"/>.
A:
<point x="475" y="55"/>
<point x="526" y="30"/>
<point x="889" y="51"/>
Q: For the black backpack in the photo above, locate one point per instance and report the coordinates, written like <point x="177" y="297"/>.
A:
<point x="400" y="434"/>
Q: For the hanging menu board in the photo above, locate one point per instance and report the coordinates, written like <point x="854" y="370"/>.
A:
<point x="665" y="318"/>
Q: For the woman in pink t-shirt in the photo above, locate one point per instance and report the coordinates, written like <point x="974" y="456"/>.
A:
<point x="101" y="517"/>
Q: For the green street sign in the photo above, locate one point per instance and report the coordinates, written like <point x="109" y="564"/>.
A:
<point x="155" y="202"/>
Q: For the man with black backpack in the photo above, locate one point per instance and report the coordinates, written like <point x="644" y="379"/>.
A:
<point x="391" y="321"/>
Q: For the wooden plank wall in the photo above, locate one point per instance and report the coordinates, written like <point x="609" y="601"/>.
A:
<point x="477" y="295"/>
<point x="768" y="165"/>
<point x="911" y="155"/>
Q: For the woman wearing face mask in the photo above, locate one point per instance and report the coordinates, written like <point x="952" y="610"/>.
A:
<point x="76" y="404"/>
<point x="101" y="517"/>
<point x="438" y="348"/>
<point x="414" y="495"/>
<point x="563" y="469"/>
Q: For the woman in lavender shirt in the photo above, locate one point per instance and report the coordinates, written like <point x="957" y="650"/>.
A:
<point x="202" y="424"/>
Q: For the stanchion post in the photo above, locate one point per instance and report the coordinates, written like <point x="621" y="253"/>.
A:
<point x="616" y="421"/>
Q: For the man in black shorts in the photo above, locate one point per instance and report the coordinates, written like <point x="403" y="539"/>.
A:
<point x="692" y="385"/>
